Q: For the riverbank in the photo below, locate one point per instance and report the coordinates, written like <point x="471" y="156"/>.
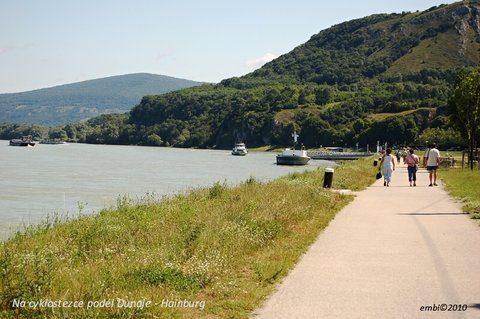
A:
<point x="77" y="178"/>
<point x="214" y="253"/>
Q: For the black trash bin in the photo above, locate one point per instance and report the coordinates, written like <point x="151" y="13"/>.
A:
<point x="328" y="178"/>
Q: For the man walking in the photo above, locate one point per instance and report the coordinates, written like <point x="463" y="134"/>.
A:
<point x="433" y="160"/>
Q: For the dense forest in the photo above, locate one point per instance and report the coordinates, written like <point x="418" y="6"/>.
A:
<point x="381" y="78"/>
<point x="218" y="115"/>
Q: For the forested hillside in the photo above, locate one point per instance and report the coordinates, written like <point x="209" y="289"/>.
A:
<point x="443" y="37"/>
<point x="385" y="77"/>
<point x="80" y="101"/>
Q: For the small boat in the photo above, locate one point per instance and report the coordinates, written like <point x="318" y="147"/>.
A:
<point x="55" y="141"/>
<point x="291" y="156"/>
<point x="240" y="149"/>
<point x="24" y="141"/>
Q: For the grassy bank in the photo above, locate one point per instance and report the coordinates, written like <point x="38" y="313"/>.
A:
<point x="464" y="184"/>
<point x="222" y="249"/>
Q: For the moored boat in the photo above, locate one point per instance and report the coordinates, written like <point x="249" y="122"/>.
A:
<point x="240" y="149"/>
<point x="291" y="156"/>
<point x="24" y="141"/>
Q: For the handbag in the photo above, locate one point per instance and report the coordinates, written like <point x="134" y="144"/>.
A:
<point x="379" y="175"/>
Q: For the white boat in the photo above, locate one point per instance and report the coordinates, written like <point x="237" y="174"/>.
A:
<point x="240" y="149"/>
<point x="291" y="156"/>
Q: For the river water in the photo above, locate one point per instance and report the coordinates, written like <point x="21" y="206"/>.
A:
<point x="65" y="180"/>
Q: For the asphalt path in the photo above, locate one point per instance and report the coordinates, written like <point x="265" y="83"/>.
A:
<point x="394" y="252"/>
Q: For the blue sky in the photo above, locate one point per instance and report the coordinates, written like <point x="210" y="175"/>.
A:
<point x="52" y="42"/>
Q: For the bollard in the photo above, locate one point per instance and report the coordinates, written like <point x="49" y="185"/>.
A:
<point x="328" y="178"/>
<point x="375" y="163"/>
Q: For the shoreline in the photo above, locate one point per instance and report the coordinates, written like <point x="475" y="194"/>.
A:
<point x="81" y="178"/>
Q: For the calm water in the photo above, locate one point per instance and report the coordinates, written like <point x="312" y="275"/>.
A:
<point x="62" y="179"/>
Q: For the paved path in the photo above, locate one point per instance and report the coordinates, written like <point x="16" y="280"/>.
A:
<point x="390" y="252"/>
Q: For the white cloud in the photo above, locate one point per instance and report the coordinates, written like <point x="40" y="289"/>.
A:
<point x="257" y="62"/>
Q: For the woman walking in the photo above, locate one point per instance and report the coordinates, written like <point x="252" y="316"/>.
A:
<point x="388" y="163"/>
<point x="412" y="161"/>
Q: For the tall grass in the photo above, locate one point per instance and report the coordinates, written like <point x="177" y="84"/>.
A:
<point x="464" y="184"/>
<point x="225" y="247"/>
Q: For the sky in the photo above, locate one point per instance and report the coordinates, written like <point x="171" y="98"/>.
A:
<point x="53" y="42"/>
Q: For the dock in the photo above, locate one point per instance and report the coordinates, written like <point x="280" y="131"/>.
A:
<point x="337" y="156"/>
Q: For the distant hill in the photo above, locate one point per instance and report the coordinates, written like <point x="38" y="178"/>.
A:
<point x="444" y="37"/>
<point x="385" y="77"/>
<point x="80" y="101"/>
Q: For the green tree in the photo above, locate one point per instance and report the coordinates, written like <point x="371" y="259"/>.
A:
<point x="316" y="132"/>
<point x="282" y="133"/>
<point x="393" y="130"/>
<point x="443" y="137"/>
<point x="71" y="132"/>
<point x="154" y="140"/>
<point x="57" y="132"/>
<point x="464" y="107"/>
<point x="322" y="96"/>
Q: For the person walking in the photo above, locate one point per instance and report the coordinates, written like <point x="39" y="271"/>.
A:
<point x="388" y="163"/>
<point x="412" y="166"/>
<point x="433" y="160"/>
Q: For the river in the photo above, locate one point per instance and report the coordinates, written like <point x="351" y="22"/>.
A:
<point x="65" y="180"/>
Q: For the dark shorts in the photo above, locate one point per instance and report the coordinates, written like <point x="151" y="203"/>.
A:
<point x="432" y="168"/>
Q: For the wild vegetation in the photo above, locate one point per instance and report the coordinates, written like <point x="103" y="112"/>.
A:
<point x="225" y="246"/>
<point x="464" y="184"/>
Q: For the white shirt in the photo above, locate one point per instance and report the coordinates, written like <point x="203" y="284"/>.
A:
<point x="433" y="156"/>
<point x="387" y="161"/>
